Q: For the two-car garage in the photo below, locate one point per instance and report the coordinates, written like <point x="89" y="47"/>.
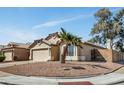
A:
<point x="40" y="55"/>
<point x="44" y="52"/>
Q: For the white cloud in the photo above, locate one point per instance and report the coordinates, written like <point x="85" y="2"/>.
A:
<point x="56" y="22"/>
<point x="17" y="36"/>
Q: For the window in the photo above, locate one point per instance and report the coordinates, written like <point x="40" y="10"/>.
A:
<point x="70" y="51"/>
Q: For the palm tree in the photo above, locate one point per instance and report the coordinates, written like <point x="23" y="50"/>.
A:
<point x="67" y="39"/>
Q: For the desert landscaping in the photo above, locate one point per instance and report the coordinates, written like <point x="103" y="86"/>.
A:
<point x="56" y="69"/>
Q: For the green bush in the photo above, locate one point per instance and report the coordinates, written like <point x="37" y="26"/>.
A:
<point x="2" y="57"/>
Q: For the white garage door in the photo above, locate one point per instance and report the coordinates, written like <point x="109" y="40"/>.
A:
<point x="8" y="56"/>
<point x="41" y="55"/>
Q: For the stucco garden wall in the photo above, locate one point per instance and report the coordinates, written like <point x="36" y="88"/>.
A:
<point x="85" y="51"/>
<point x="118" y="56"/>
<point x="106" y="54"/>
<point x="111" y="55"/>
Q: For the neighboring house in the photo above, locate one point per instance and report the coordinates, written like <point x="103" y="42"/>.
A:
<point x="1" y="46"/>
<point x="45" y="49"/>
<point x="16" y="52"/>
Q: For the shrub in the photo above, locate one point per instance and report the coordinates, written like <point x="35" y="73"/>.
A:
<point x="2" y="57"/>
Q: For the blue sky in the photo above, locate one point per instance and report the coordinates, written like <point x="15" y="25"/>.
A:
<point x="27" y="24"/>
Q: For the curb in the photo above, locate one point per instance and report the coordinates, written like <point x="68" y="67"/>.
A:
<point x="76" y="83"/>
<point x="5" y="83"/>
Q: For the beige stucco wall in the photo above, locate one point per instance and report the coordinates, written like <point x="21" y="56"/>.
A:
<point x="85" y="51"/>
<point x="8" y="55"/>
<point x="118" y="56"/>
<point x="106" y="54"/>
<point x="55" y="53"/>
<point x="81" y="53"/>
<point x="38" y="46"/>
<point x="21" y="54"/>
<point x="54" y="40"/>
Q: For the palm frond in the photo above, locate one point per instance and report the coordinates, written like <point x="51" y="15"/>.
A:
<point x="69" y="38"/>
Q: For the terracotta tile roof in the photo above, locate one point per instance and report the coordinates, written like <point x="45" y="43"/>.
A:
<point x="18" y="45"/>
<point x="51" y="35"/>
<point x="92" y="44"/>
<point x="35" y="42"/>
<point x="48" y="41"/>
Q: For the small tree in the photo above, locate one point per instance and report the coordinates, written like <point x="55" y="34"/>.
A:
<point x="67" y="38"/>
<point x="2" y="57"/>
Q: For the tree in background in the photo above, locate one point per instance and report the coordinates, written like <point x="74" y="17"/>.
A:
<point x="94" y="39"/>
<point x="108" y="27"/>
<point x="120" y="39"/>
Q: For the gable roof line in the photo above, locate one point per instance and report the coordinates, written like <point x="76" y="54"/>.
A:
<point x="88" y="43"/>
<point x="42" y="41"/>
<point x="50" y="44"/>
<point x="13" y="48"/>
<point x="35" y="42"/>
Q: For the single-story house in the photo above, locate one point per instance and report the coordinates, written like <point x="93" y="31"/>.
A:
<point x="82" y="52"/>
<point x="16" y="52"/>
<point x="45" y="49"/>
<point x="50" y="48"/>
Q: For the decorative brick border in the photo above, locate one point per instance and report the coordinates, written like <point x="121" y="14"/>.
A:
<point x="75" y="83"/>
